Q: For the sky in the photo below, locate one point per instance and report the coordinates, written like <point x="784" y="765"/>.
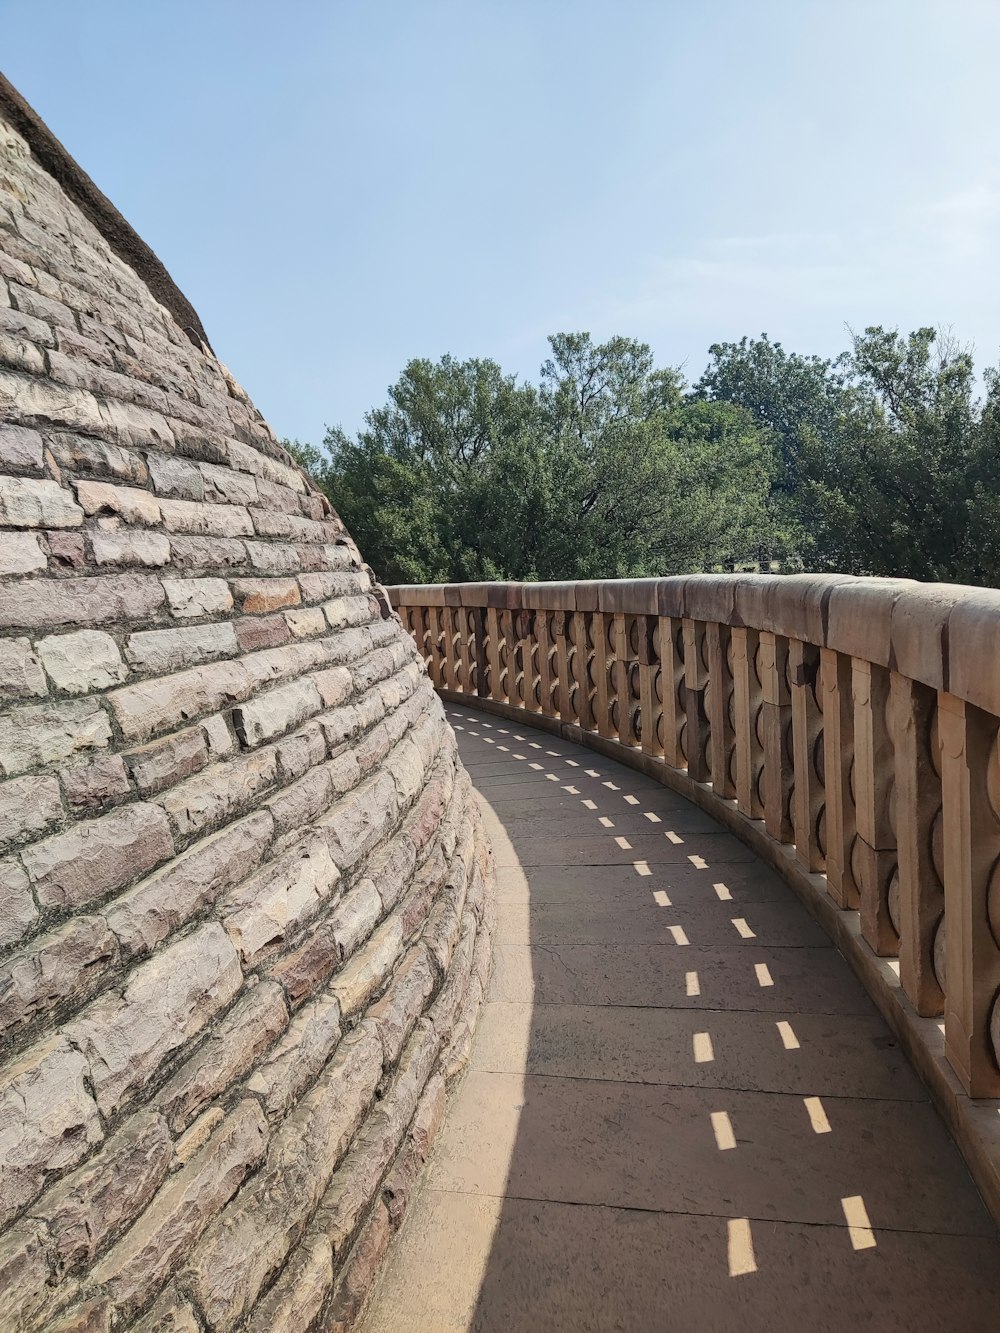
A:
<point x="339" y="187"/>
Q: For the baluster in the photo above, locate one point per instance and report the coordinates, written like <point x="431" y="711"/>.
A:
<point x="918" y="799"/>
<point x="968" y="740"/>
<point x="562" y="701"/>
<point x="807" y="730"/>
<point x="449" y="673"/>
<point x="722" y="738"/>
<point x="620" y="671"/>
<point x="480" y="633"/>
<point x="695" y="685"/>
<point x="434" y="653"/>
<point x="583" y="665"/>
<point x="493" y="651"/>
<point x="671" y="680"/>
<point x="777" y="710"/>
<point x="838" y="761"/>
<point x="748" y="700"/>
<point x="511" y="641"/>
<point x="650" y="708"/>
<point x="875" y="846"/>
<point x="544" y="662"/>
<point x="602" y="671"/>
<point x="465" y="648"/>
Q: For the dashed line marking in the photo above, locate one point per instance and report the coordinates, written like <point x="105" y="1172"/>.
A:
<point x="722" y="893"/>
<point x="763" y="972"/>
<point x="817" y="1115"/>
<point x="590" y="805"/>
<point x="489" y="740"/>
<point x="673" y="837"/>
<point x="624" y="844"/>
<point x="698" y="862"/>
<point x="632" y="800"/>
<point x="573" y="791"/>
<point x="613" y="785"/>
<point x="592" y="773"/>
<point x="702" y="1044"/>
<point x="519" y="756"/>
<point x="641" y="867"/>
<point x="859" y="1225"/>
<point x="661" y="899"/>
<point x="554" y="753"/>
<point x="788" y="1038"/>
<point x="742" y="929"/>
<point x="537" y="767"/>
<point x="605" y="821"/>
<point x="534" y="745"/>
<point x="653" y="819"/>
<point x="722" y="1128"/>
<point x="740" y="1245"/>
<point x="551" y="777"/>
<point x="572" y="763"/>
<point x="691" y="984"/>
<point x="679" y="934"/>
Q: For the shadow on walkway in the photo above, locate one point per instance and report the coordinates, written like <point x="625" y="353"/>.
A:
<point x="682" y="1110"/>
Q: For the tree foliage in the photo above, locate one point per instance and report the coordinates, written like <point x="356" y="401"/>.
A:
<point x="880" y="461"/>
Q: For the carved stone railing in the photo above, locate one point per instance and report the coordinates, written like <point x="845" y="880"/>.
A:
<point x="845" y="727"/>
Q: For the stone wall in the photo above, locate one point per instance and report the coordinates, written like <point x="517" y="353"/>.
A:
<point x="245" y="897"/>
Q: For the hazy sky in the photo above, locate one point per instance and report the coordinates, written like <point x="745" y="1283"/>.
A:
<point x="340" y="186"/>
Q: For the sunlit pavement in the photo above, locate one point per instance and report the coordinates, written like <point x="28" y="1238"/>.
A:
<point x="682" y="1110"/>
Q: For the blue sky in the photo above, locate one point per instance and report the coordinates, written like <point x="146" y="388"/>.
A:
<point x="341" y="186"/>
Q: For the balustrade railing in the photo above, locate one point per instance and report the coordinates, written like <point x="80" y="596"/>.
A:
<point x="852" y="724"/>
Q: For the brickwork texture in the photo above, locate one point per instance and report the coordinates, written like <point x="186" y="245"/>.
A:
<point x="245" y="897"/>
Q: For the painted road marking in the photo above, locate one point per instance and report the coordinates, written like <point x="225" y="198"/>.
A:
<point x="741" y="1255"/>
<point x="858" y="1223"/>
<point x="703" y="1053"/>
<point x="788" y="1038"/>
<point x="722" y="1128"/>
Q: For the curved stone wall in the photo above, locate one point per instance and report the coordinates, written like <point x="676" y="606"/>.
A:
<point x="244" y="892"/>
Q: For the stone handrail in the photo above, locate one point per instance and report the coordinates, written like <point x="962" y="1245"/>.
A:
<point x="846" y="727"/>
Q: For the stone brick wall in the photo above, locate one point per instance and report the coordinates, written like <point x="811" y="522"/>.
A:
<point x="245" y="899"/>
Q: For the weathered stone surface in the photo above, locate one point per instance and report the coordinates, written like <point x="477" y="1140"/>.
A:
<point x="249" y="1028"/>
<point x="278" y="899"/>
<point x="127" y="502"/>
<point x="205" y="520"/>
<point x="205" y="553"/>
<point x="20" y="448"/>
<point x="301" y="751"/>
<point x="305" y="622"/>
<point x="92" y="787"/>
<point x="251" y="1239"/>
<point x="254" y="595"/>
<point x="176" y="477"/>
<point x="360" y="820"/>
<point x="170" y="1313"/>
<point x="26" y="503"/>
<point x="369" y="968"/>
<point x="92" y="858"/>
<point x="219" y="793"/>
<point x="366" y="1257"/>
<point x="160" y="764"/>
<point x="137" y="1266"/>
<point x="112" y="1188"/>
<point x="17" y="907"/>
<point x="48" y="1120"/>
<point x="105" y="599"/>
<point x="164" y="1003"/>
<point x="25" y="1277"/>
<point x="334" y="685"/>
<point x="54" y="970"/>
<point x="298" y="1296"/>
<point x="28" y="806"/>
<point x="21" y="674"/>
<point x="301" y="802"/>
<point x="81" y="662"/>
<point x="396" y="1014"/>
<point x="143" y="710"/>
<point x="20" y="553"/>
<point x="147" y="914"/>
<point x="198" y="597"/>
<point x="312" y="1037"/>
<point x="255" y="632"/>
<point x="96" y="458"/>
<point x="274" y="713"/>
<point x="39" y="734"/>
<point x="126" y="547"/>
<point x="165" y="650"/>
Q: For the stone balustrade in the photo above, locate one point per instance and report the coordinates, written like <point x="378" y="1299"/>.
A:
<point x="845" y="727"/>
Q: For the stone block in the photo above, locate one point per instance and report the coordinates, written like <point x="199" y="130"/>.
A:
<point x="297" y="1298"/>
<point x="256" y="595"/>
<point x="280" y="898"/>
<point x="312" y="1036"/>
<point x="20" y="553"/>
<point x="147" y="914"/>
<point x="360" y="820"/>
<point x="126" y="502"/>
<point x="164" y="650"/>
<point x="395" y="1014"/>
<point x="301" y="751"/>
<point x="93" y="787"/>
<point x="96" y="856"/>
<point x="114" y="1187"/>
<point x="170" y="1313"/>
<point x="369" y="968"/>
<point x="206" y="520"/>
<point x="176" y="477"/>
<point x="219" y="793"/>
<point x="17" y="907"/>
<point x="81" y="662"/>
<point x="305" y="622"/>
<point x="27" y="503"/>
<point x="152" y="706"/>
<point x="225" y="486"/>
<point x="165" y="1002"/>
<point x="125" y="547"/>
<point x="54" y="971"/>
<point x="334" y="685"/>
<point x="20" y="448"/>
<point x="256" y="632"/>
<point x="246" y="1032"/>
<point x="301" y="802"/>
<point x="38" y="734"/>
<point x="29" y="806"/>
<point x="49" y="1120"/>
<point x="198" y="597"/>
<point x="105" y="599"/>
<point x="202" y="553"/>
<point x="272" y="714"/>
<point x="67" y="548"/>
<point x="95" y="458"/>
<point x="359" y="1275"/>
<point x="273" y="557"/>
<point x="134" y="1269"/>
<point x="161" y="764"/>
<point x="21" y="674"/>
<point x="218" y="736"/>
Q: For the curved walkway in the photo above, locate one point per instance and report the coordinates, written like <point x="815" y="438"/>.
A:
<point x="682" y="1111"/>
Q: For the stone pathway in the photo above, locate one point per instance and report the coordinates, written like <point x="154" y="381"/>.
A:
<point x="682" y="1111"/>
